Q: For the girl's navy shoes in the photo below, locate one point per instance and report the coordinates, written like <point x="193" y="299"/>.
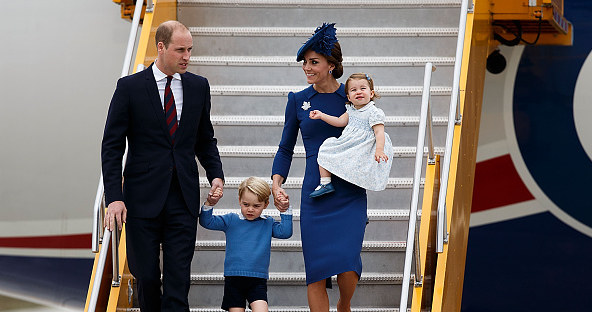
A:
<point x="322" y="189"/>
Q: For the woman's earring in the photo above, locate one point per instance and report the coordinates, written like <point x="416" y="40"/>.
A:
<point x="330" y="72"/>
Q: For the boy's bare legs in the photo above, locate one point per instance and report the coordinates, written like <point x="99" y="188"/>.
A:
<point x="258" y="306"/>
<point x="347" y="282"/>
<point x="236" y="310"/>
<point x="318" y="300"/>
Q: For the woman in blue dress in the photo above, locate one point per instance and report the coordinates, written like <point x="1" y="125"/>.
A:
<point x="332" y="226"/>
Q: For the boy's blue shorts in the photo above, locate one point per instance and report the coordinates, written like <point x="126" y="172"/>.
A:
<point x="241" y="289"/>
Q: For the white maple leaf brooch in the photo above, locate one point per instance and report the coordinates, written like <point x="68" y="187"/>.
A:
<point x="305" y="105"/>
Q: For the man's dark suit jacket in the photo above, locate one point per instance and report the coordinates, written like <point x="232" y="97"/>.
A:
<point x="136" y="112"/>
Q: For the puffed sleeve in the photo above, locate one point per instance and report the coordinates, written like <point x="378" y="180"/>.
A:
<point x="376" y="117"/>
<point x="283" y="157"/>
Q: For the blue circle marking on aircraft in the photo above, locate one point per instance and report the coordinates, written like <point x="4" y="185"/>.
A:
<point x="544" y="118"/>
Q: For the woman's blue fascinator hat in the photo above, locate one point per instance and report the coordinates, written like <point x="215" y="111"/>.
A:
<point x="322" y="41"/>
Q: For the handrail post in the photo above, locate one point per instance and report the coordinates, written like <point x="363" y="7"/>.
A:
<point x="411" y="233"/>
<point x="418" y="275"/>
<point x="96" y="287"/>
<point x="115" y="252"/>
<point x="453" y="119"/>
<point x="96" y="227"/>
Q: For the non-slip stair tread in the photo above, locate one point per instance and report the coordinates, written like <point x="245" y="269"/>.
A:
<point x="239" y="60"/>
<point x="260" y="120"/>
<point x="341" y="31"/>
<point x="326" y="3"/>
<point x="283" y="91"/>
<point x="270" y="151"/>
<point x="291" y="183"/>
<point x="284" y="245"/>
<point x="292" y="278"/>
<point x="373" y="214"/>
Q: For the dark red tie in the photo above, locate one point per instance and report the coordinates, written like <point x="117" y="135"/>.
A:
<point x="170" y="110"/>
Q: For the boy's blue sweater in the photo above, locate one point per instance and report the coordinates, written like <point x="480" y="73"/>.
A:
<point x="248" y="243"/>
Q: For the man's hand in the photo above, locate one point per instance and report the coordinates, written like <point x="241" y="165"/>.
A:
<point x="116" y="212"/>
<point x="281" y="200"/>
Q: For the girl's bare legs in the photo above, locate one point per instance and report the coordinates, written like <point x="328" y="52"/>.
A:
<point x="318" y="300"/>
<point x="258" y="306"/>
<point x="347" y="282"/>
<point x="324" y="172"/>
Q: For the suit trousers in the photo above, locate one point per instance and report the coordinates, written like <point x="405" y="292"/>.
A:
<point x="175" y="228"/>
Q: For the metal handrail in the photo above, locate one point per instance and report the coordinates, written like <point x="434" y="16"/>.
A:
<point x="454" y="118"/>
<point x="97" y="221"/>
<point x="424" y="120"/>
<point x="98" y="209"/>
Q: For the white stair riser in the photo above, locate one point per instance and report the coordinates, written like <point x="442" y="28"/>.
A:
<point x="354" y="46"/>
<point x="307" y="17"/>
<point x="293" y="75"/>
<point x="208" y="261"/>
<point x="271" y="135"/>
<point x="365" y="295"/>
<point x="375" y="231"/>
<point x="276" y="105"/>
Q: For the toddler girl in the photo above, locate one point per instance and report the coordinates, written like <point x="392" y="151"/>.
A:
<point x="362" y="155"/>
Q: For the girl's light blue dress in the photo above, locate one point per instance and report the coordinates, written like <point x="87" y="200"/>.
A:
<point x="351" y="156"/>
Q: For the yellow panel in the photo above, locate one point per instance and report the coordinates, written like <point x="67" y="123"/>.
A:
<point x="119" y="296"/>
<point x="451" y="263"/>
<point x="164" y="10"/>
<point x="422" y="295"/>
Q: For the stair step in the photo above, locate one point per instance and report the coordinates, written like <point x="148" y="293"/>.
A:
<point x="227" y="120"/>
<point x="284" y="245"/>
<point x="270" y="151"/>
<point x="291" y="61"/>
<point x="342" y="32"/>
<point x="290" y="278"/>
<point x="283" y="91"/>
<point x="296" y="183"/>
<point x="373" y="214"/>
<point x="289" y="309"/>
<point x="353" y="4"/>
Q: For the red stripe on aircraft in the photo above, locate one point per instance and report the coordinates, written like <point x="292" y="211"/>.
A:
<point x="74" y="241"/>
<point x="497" y="184"/>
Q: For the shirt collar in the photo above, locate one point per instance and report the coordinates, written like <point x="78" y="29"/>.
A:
<point x="242" y="217"/>
<point x="310" y="91"/>
<point x="159" y="75"/>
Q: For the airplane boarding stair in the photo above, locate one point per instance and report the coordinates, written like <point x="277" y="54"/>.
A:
<point x="247" y="50"/>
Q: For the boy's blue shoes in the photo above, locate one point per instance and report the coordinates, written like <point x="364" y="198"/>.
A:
<point x="322" y="189"/>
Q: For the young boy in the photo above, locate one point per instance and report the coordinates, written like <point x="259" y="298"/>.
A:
<point x="248" y="244"/>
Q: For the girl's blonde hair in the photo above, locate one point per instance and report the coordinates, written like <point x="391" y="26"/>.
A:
<point x="362" y="76"/>
<point x="256" y="186"/>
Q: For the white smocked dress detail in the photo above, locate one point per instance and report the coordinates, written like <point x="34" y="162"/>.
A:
<point x="351" y="156"/>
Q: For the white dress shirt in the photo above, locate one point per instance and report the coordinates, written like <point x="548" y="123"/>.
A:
<point x="176" y="88"/>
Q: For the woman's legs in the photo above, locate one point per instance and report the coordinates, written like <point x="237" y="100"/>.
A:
<point x="347" y="282"/>
<point x="318" y="300"/>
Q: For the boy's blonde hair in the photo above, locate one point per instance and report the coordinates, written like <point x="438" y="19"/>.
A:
<point x="362" y="76"/>
<point x="256" y="186"/>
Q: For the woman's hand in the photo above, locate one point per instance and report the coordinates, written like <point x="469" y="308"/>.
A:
<point x="380" y="155"/>
<point x="214" y="197"/>
<point x="281" y="200"/>
<point x="315" y="114"/>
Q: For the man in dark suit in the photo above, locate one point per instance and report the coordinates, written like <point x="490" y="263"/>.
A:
<point x="164" y="112"/>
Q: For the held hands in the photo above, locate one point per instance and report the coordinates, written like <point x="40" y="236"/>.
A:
<point x="315" y="114"/>
<point x="116" y="212"/>
<point x="216" y="192"/>
<point x="281" y="200"/>
<point x="378" y="156"/>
